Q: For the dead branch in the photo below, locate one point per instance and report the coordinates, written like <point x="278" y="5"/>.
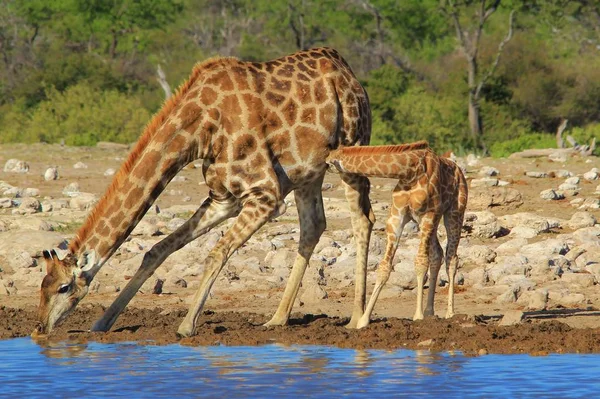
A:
<point x="560" y="143"/>
<point x="162" y="80"/>
<point x="493" y="67"/>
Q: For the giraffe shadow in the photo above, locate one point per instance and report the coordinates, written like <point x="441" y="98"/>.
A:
<point x="561" y="313"/>
<point x="128" y="328"/>
<point x="305" y="319"/>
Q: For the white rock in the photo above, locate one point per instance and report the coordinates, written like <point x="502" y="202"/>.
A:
<point x="565" y="298"/>
<point x="589" y="203"/>
<point x="510" y="295"/>
<point x="145" y="228"/>
<point x="28" y="206"/>
<point x="558" y="157"/>
<point x="472" y="160"/>
<point x="71" y="190"/>
<point x="483" y="224"/>
<point x="175" y="223"/>
<point x="550" y="194"/>
<point x="511" y="247"/>
<point x="83" y="201"/>
<point x="534" y="300"/>
<point x="51" y="174"/>
<point x="561" y="173"/>
<point x="6" y="203"/>
<point x="545" y="248"/>
<point x="484" y="182"/>
<point x="489" y="171"/>
<point x="525" y="219"/>
<point x="80" y="165"/>
<point x="575" y="180"/>
<point x="30" y="192"/>
<point x="403" y="276"/>
<point x="476" y="276"/>
<point x="15" y="192"/>
<point x="16" y="166"/>
<point x="507" y="265"/>
<point x="591" y="175"/>
<point x="109" y="172"/>
<point x="587" y="235"/>
<point x="511" y="318"/>
<point x="313" y="293"/>
<point x="523" y="232"/>
<point x="537" y="175"/>
<point x="568" y="187"/>
<point x="594" y="269"/>
<point x="580" y="279"/>
<point x="581" y="219"/>
<point x="477" y="254"/>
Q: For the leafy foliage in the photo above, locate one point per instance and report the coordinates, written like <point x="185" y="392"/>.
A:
<point x="81" y="115"/>
<point x="85" y="70"/>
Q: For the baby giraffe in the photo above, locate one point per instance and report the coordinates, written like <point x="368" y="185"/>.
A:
<point x="429" y="187"/>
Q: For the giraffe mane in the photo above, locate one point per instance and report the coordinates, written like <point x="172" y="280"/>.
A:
<point x="386" y="149"/>
<point x="157" y="120"/>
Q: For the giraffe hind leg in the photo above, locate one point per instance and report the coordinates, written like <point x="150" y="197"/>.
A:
<point x="453" y="223"/>
<point x="255" y="212"/>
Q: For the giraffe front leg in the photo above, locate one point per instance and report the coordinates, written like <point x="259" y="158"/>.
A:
<point x="394" y="226"/>
<point x="363" y="218"/>
<point x="255" y="213"/>
<point x="435" y="262"/>
<point x="383" y="273"/>
<point x="211" y="213"/>
<point x="309" y="202"/>
<point x="422" y="261"/>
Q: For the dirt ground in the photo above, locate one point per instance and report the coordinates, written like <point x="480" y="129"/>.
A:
<point x="237" y="319"/>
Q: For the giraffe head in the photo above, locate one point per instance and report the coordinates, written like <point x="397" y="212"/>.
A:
<point x="334" y="163"/>
<point x="65" y="284"/>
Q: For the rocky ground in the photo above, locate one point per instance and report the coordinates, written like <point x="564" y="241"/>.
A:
<point x="530" y="259"/>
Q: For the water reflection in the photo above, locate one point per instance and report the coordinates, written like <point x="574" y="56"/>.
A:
<point x="79" y="368"/>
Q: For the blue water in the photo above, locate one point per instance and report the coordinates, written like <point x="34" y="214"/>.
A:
<point x="131" y="370"/>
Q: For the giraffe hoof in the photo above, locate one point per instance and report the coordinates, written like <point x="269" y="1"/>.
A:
<point x="352" y="324"/>
<point x="362" y="323"/>
<point x="99" y="326"/>
<point x="184" y="332"/>
<point x="272" y="323"/>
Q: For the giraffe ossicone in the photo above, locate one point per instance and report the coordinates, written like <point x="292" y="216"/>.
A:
<point x="262" y="130"/>
<point x="429" y="187"/>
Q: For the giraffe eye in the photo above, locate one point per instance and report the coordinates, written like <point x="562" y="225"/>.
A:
<point x="63" y="289"/>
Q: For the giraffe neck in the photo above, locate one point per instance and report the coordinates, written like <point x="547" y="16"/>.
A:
<point x="404" y="162"/>
<point x="127" y="200"/>
<point x="174" y="137"/>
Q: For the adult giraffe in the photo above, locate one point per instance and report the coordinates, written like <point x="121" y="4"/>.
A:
<point x="262" y="130"/>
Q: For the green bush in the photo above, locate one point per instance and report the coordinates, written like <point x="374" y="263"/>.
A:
<point x="81" y="115"/>
<point x="585" y="135"/>
<point x="528" y="140"/>
<point x="420" y="115"/>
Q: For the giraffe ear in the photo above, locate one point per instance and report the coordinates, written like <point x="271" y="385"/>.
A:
<point x="88" y="260"/>
<point x="49" y="261"/>
<point x="54" y="255"/>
